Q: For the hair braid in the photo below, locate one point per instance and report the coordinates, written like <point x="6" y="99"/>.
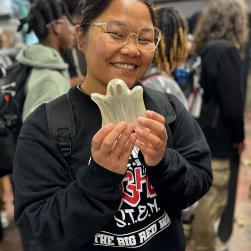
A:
<point x="41" y="13"/>
<point x="173" y="50"/>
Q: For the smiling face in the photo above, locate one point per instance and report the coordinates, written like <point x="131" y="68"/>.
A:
<point x="106" y="61"/>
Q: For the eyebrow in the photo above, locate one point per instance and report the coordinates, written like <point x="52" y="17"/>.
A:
<point x="125" y="24"/>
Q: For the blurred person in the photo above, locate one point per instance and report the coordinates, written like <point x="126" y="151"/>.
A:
<point x="170" y="54"/>
<point x="74" y="58"/>
<point x="6" y="204"/>
<point x="7" y="213"/>
<point x="6" y="193"/>
<point x="220" y="38"/>
<point x="49" y="77"/>
<point x="120" y="188"/>
<point x="192" y="21"/>
<point x="5" y="60"/>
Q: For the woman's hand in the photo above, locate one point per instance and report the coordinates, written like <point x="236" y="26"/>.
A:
<point x="112" y="146"/>
<point x="152" y="137"/>
<point x="240" y="147"/>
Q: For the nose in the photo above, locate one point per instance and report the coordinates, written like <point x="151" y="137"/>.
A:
<point x="130" y="47"/>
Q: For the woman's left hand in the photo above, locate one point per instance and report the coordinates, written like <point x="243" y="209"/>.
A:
<point x="152" y="137"/>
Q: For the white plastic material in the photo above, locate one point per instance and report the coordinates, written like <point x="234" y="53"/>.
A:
<point x="120" y="103"/>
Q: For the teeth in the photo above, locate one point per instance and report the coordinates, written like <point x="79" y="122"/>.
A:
<point x="125" y="66"/>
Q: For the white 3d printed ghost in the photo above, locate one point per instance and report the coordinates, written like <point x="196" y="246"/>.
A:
<point x="120" y="103"/>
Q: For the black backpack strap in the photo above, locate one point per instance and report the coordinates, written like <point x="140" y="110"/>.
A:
<point x="61" y="123"/>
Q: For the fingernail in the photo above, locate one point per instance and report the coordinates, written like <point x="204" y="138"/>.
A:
<point x="141" y="119"/>
<point x="109" y="126"/>
<point x="149" y="112"/>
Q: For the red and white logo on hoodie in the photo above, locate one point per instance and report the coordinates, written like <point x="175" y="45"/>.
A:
<point x="139" y="217"/>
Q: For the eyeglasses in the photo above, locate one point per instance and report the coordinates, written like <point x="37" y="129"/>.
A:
<point x="118" y="33"/>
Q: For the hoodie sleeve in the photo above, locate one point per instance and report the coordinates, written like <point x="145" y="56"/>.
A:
<point x="184" y="174"/>
<point x="42" y="86"/>
<point x="231" y="105"/>
<point x="62" y="214"/>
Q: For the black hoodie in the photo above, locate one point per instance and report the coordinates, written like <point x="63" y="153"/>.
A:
<point x="223" y="98"/>
<point x="98" y="209"/>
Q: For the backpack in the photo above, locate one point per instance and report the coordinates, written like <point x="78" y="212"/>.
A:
<point x="191" y="85"/>
<point x="12" y="96"/>
<point x="188" y="78"/>
<point x="160" y="81"/>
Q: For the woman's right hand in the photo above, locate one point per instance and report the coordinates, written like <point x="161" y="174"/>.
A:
<point x="112" y="146"/>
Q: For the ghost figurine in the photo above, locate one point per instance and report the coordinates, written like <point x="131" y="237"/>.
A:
<point x="120" y="103"/>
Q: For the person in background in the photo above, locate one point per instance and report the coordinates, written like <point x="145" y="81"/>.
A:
<point x="170" y="54"/>
<point x="5" y="60"/>
<point x="6" y="192"/>
<point x="74" y="58"/>
<point x="220" y="38"/>
<point x="124" y="184"/>
<point x="192" y="21"/>
<point x="49" y="77"/>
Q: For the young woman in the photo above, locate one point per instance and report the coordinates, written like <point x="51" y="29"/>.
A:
<point x="171" y="54"/>
<point x="128" y="184"/>
<point x="220" y="39"/>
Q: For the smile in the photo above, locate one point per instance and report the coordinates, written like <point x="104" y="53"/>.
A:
<point x="124" y="66"/>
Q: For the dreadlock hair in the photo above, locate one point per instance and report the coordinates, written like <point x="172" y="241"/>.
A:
<point x="73" y="6"/>
<point x="172" y="49"/>
<point x="41" y="13"/>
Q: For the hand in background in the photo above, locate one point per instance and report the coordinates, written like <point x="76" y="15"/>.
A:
<point x="240" y="147"/>
<point x="8" y="197"/>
